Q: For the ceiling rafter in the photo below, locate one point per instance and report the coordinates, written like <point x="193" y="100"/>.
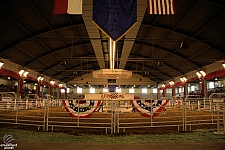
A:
<point x="33" y="38"/>
<point x="53" y="51"/>
<point x="184" y="35"/>
<point x="207" y="25"/>
<point x="17" y="23"/>
<point x="147" y="66"/>
<point x="166" y="64"/>
<point x="42" y="17"/>
<point x="169" y="52"/>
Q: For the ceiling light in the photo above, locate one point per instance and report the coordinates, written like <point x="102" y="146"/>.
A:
<point x="1" y="64"/>
<point x="183" y="79"/>
<point x="201" y="74"/>
<point x="23" y="73"/>
<point x="40" y="78"/>
<point x="223" y="64"/>
<point x="184" y="45"/>
<point x="198" y="74"/>
<point x="171" y="83"/>
<point x="52" y="82"/>
<point x="160" y="63"/>
<point x="60" y="84"/>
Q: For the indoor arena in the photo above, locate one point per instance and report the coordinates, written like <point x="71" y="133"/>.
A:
<point x="103" y="74"/>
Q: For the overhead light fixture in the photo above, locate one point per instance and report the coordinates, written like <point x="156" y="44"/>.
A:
<point x="52" y="82"/>
<point x="160" y="63"/>
<point x="171" y="83"/>
<point x="223" y="64"/>
<point x="60" y="84"/>
<point x="201" y="74"/>
<point x="1" y="64"/>
<point x="63" y="62"/>
<point x="183" y="79"/>
<point x="184" y="45"/>
<point x="23" y="73"/>
<point x="40" y="78"/>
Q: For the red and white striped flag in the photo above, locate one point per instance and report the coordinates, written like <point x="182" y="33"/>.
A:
<point x="161" y="7"/>
<point x="67" y="7"/>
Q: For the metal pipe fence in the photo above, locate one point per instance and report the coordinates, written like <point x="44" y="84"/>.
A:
<point x="114" y="116"/>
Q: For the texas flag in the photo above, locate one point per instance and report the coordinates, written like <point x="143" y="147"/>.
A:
<point x="67" y="7"/>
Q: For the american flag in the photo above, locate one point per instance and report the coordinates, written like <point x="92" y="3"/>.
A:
<point x="161" y="7"/>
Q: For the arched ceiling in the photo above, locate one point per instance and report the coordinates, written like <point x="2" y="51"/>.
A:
<point x="61" y="46"/>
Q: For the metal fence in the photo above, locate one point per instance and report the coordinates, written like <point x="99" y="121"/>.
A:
<point x="113" y="116"/>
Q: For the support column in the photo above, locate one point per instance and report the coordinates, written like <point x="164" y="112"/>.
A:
<point x="66" y="93"/>
<point x="163" y="92"/>
<point x="38" y="89"/>
<point x="60" y="94"/>
<point x="173" y="92"/>
<point x="203" y="87"/>
<point x="50" y="89"/>
<point x="185" y="89"/>
<point x="157" y="94"/>
<point x="20" y="87"/>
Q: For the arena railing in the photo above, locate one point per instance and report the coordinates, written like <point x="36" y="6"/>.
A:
<point x="22" y="112"/>
<point x="117" y="115"/>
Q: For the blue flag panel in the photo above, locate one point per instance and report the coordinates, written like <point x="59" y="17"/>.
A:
<point x="115" y="17"/>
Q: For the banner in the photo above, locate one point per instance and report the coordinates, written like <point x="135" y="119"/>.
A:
<point x="67" y="6"/>
<point x="115" y="17"/>
<point x="161" y="7"/>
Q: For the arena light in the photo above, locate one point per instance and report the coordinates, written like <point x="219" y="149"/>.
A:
<point x="201" y="74"/>
<point x="40" y="78"/>
<point x="183" y="79"/>
<point x="1" y="64"/>
<point x="23" y="73"/>
<point x="60" y="84"/>
<point x="52" y="82"/>
<point x="198" y="74"/>
<point x="223" y="64"/>
<point x="171" y="83"/>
